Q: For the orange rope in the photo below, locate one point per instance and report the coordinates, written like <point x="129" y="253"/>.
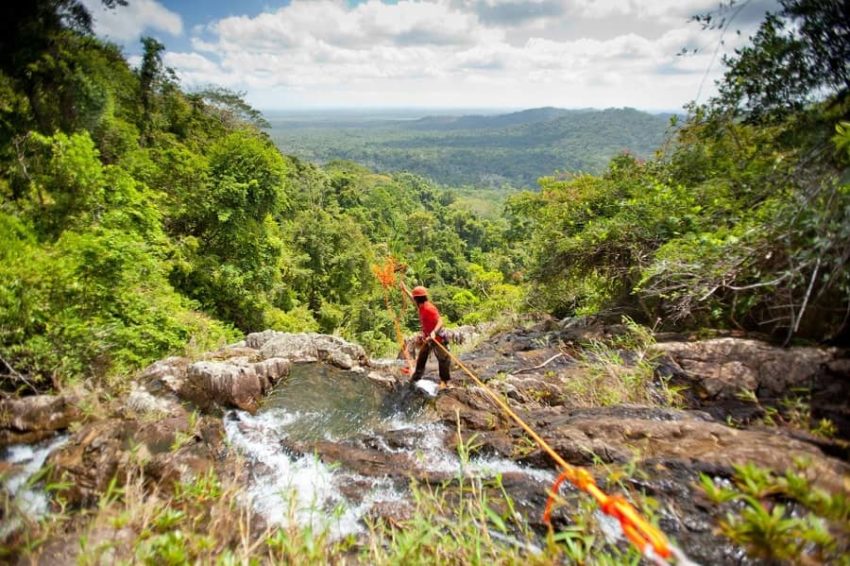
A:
<point x="386" y="274"/>
<point x="646" y="537"/>
<point x="550" y="501"/>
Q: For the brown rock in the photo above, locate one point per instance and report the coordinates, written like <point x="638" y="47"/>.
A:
<point x="724" y="367"/>
<point x="167" y="450"/>
<point x="458" y="404"/>
<point x="486" y="443"/>
<point x="168" y="375"/>
<point x="88" y="462"/>
<point x="307" y="347"/>
<point x="190" y="454"/>
<point x="273" y="369"/>
<point x="231" y="378"/>
<point x="226" y="384"/>
<point x="29" y="419"/>
<point x="678" y="438"/>
<point x="230" y="352"/>
<point x="372" y="462"/>
<point x="142" y="402"/>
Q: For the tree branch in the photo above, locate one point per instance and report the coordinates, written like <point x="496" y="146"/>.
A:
<point x="18" y="375"/>
<point x="556" y="356"/>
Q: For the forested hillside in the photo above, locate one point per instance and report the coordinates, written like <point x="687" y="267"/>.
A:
<point x="482" y="151"/>
<point x="138" y="219"/>
<point x="743" y="222"/>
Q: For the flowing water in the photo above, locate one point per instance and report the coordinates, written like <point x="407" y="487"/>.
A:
<point x="25" y="494"/>
<point x="289" y="483"/>
<point x="318" y="403"/>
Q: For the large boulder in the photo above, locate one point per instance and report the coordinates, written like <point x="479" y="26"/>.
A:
<point x="307" y="347"/>
<point x="667" y="438"/>
<point x="232" y="377"/>
<point x="233" y="383"/>
<point x="30" y="419"/>
<point x="726" y="368"/>
<point x="163" y="451"/>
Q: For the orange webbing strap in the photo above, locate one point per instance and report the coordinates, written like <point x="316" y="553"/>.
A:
<point x="646" y="537"/>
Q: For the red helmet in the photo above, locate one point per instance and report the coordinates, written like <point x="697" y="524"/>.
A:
<point x="419" y="291"/>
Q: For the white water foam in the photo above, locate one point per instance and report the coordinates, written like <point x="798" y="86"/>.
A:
<point x="288" y="488"/>
<point x="433" y="456"/>
<point x="29" y="500"/>
<point x="299" y="489"/>
<point x="430" y="388"/>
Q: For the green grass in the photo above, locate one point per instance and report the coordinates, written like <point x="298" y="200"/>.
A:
<point x="605" y="379"/>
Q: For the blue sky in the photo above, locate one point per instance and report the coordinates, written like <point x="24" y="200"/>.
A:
<point x="437" y="53"/>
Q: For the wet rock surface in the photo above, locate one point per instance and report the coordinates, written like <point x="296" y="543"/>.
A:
<point x="167" y="451"/>
<point x="34" y="418"/>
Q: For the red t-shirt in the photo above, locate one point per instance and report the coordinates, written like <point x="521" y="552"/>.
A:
<point x="429" y="316"/>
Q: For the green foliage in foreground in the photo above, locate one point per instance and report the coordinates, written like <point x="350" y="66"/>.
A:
<point x="783" y="517"/>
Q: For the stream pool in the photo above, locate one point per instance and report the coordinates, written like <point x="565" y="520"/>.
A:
<point x="321" y="404"/>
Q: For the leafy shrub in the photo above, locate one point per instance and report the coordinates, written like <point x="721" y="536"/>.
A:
<point x="94" y="303"/>
<point x="783" y="517"/>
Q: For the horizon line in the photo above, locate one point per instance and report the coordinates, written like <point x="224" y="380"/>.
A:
<point x="463" y="108"/>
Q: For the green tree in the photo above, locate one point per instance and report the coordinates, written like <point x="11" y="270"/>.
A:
<point x="150" y="75"/>
<point x="798" y="55"/>
<point x="231" y="258"/>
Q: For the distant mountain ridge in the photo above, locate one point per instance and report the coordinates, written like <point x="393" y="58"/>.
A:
<point x="531" y="116"/>
<point x="514" y="148"/>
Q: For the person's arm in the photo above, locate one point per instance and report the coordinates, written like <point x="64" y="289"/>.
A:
<point x="406" y="291"/>
<point x="436" y="328"/>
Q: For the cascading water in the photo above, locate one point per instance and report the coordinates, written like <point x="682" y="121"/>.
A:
<point x="24" y="461"/>
<point x="321" y="404"/>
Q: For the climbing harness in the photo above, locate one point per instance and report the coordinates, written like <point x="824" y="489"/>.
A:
<point x="648" y="539"/>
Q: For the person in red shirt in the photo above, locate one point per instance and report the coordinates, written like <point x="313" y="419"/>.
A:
<point x="432" y="323"/>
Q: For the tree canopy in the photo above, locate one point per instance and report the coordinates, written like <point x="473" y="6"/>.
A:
<point x="138" y="219"/>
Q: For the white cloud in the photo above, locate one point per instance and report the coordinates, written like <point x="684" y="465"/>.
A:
<point x="458" y="53"/>
<point x="127" y="23"/>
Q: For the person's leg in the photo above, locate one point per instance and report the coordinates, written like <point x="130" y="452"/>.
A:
<point x="444" y="362"/>
<point x="421" y="360"/>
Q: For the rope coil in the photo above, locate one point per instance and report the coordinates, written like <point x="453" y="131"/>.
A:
<point x="386" y="274"/>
